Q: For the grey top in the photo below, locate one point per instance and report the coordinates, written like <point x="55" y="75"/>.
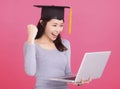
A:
<point x="46" y="64"/>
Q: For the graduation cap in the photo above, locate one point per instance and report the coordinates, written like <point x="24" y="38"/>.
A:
<point x="55" y="12"/>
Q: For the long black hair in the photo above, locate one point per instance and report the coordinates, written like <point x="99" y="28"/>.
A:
<point x="41" y="29"/>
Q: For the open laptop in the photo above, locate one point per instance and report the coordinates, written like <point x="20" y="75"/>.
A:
<point x="92" y="66"/>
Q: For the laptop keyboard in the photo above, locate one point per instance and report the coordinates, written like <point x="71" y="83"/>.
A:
<point x="70" y="78"/>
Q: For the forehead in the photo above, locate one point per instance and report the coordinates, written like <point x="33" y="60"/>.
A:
<point x="56" y="21"/>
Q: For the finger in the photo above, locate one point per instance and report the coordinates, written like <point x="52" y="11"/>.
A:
<point x="29" y="26"/>
<point x="78" y="84"/>
<point x="88" y="81"/>
<point x="82" y="81"/>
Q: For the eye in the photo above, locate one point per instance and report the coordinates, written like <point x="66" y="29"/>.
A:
<point x="54" y="25"/>
<point x="61" y="25"/>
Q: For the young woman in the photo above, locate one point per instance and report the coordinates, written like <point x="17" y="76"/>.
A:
<point x="46" y="54"/>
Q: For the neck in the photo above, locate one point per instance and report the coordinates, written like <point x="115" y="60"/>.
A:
<point x="44" y="39"/>
<point x="46" y="43"/>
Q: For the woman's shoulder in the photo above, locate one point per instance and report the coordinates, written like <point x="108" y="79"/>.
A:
<point x="66" y="42"/>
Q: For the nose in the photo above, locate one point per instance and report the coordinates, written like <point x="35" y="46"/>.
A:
<point x="59" y="29"/>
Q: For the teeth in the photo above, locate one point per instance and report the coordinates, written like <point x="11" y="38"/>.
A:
<point x="54" y="34"/>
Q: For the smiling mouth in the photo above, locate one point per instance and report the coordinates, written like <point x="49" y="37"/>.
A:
<point x="55" y="35"/>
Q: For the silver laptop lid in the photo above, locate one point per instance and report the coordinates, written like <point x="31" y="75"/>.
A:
<point x="92" y="65"/>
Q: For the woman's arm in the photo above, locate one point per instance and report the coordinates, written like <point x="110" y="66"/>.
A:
<point x="68" y="55"/>
<point x="29" y="50"/>
<point x="29" y="59"/>
<point x="68" y="66"/>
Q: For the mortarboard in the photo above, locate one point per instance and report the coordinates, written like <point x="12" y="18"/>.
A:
<point x="55" y="12"/>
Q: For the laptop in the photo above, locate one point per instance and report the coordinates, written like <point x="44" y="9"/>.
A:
<point x="92" y="66"/>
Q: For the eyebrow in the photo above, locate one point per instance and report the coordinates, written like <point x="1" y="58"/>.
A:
<point x="57" y="23"/>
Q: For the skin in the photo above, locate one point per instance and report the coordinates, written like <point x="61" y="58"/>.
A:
<point x="53" y="28"/>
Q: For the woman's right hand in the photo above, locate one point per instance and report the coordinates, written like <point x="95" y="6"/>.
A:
<point x="32" y="32"/>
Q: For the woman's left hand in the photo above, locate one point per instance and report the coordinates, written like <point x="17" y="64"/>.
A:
<point x="83" y="81"/>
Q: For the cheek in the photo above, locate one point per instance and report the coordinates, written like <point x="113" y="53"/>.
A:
<point x="61" y="29"/>
<point x="48" y="30"/>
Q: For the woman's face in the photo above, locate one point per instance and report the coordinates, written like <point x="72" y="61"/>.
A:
<point x="53" y="28"/>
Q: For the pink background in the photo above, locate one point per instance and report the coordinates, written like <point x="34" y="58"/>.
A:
<point x="96" y="27"/>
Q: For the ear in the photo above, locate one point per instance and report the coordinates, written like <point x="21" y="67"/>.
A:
<point x="41" y="21"/>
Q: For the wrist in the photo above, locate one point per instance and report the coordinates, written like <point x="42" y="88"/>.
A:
<point x="30" y="41"/>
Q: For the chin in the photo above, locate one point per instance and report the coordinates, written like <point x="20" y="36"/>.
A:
<point x="53" y="39"/>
